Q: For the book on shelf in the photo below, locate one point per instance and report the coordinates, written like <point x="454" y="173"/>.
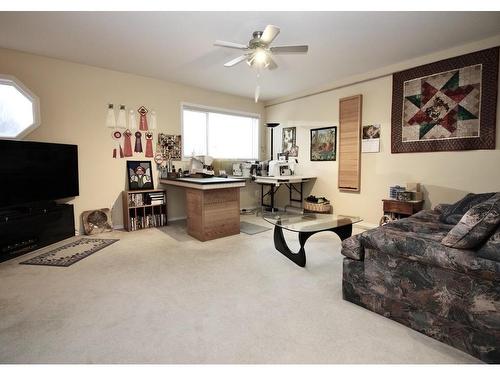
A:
<point x="148" y="221"/>
<point x="145" y="199"/>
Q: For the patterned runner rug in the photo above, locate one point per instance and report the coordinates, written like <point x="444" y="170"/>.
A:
<point x="66" y="255"/>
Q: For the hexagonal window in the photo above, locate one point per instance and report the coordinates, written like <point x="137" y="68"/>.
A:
<point x="19" y="109"/>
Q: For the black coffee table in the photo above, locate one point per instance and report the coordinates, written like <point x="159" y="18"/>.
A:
<point x="306" y="224"/>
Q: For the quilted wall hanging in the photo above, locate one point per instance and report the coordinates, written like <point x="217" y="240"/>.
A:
<point x="170" y="146"/>
<point x="448" y="105"/>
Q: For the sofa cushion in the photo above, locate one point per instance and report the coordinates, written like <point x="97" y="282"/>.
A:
<point x="491" y="249"/>
<point x="425" y="223"/>
<point x="476" y="226"/>
<point x="426" y="215"/>
<point x="398" y="242"/>
<point x="441" y="207"/>
<point x="451" y="214"/>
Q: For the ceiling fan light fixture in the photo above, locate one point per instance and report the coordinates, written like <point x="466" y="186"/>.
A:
<point x="261" y="56"/>
<point x="259" y="59"/>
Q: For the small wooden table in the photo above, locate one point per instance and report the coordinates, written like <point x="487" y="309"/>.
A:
<point x="402" y="208"/>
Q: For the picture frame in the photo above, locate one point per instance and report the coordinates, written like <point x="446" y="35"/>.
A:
<point x="448" y="105"/>
<point x="140" y="175"/>
<point x="288" y="139"/>
<point x="323" y="145"/>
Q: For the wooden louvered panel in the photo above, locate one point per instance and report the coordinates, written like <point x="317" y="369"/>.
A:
<point x="350" y="143"/>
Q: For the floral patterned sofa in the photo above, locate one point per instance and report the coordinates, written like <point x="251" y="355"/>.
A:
<point x="437" y="272"/>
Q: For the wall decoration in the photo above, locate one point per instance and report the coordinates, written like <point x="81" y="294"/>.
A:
<point x="121" y="122"/>
<point x="288" y="139"/>
<point x="132" y="123"/>
<point x="294" y="151"/>
<point x="138" y="142"/>
<point x="170" y="146"/>
<point x="97" y="221"/>
<point x="159" y="158"/>
<point x="447" y="105"/>
<point x="127" y="143"/>
<point x="117" y="135"/>
<point x="127" y="134"/>
<point x="143" y="120"/>
<point x="110" y="117"/>
<point x="370" y="138"/>
<point x="324" y="144"/>
<point x="154" y="121"/>
<point x="350" y="119"/>
<point x="140" y="175"/>
<point x="149" y="144"/>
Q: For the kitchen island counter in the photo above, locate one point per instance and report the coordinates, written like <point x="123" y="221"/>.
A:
<point x="212" y="205"/>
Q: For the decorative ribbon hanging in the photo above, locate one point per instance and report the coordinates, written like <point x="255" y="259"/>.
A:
<point x="159" y="158"/>
<point x="127" y="143"/>
<point x="110" y="117"/>
<point x="121" y="122"/>
<point x="138" y="143"/>
<point x="132" y="124"/>
<point x="154" y="121"/>
<point x="149" y="144"/>
<point x="143" y="121"/>
<point x="117" y="136"/>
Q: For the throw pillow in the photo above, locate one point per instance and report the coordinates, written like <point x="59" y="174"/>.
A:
<point x="452" y="213"/>
<point x="476" y="226"/>
<point x="491" y="249"/>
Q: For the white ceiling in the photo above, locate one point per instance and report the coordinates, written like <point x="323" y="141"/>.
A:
<point x="177" y="46"/>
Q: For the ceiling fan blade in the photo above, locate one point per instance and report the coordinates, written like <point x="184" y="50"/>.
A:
<point x="272" y="64"/>
<point x="222" y="43"/>
<point x="282" y="50"/>
<point x="235" y="61"/>
<point x="269" y="34"/>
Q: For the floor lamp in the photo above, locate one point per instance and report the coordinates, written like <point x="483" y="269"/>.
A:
<point x="272" y="125"/>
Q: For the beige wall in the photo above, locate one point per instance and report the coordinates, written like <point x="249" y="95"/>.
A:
<point x="74" y="99"/>
<point x="445" y="176"/>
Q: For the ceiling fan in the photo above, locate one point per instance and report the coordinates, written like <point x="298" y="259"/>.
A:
<point x="258" y="52"/>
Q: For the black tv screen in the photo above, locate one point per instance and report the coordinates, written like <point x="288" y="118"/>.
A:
<point x="35" y="171"/>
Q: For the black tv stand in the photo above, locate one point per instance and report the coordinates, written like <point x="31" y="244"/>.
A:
<point x="29" y="227"/>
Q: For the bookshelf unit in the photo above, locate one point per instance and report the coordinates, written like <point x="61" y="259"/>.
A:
<point x="144" y="209"/>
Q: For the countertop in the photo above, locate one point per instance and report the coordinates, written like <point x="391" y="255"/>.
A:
<point x="207" y="183"/>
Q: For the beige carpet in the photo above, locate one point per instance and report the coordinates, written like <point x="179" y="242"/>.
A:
<point x="162" y="297"/>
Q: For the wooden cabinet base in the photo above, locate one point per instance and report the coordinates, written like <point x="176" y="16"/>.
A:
<point x="213" y="214"/>
<point x="402" y="208"/>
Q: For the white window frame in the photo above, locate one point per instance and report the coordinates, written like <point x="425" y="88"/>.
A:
<point x="8" y="80"/>
<point x="224" y="111"/>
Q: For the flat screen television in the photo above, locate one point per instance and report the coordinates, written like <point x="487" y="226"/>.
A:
<point x="35" y="171"/>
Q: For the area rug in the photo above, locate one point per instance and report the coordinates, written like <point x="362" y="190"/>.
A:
<point x="68" y="254"/>
<point x="250" y="228"/>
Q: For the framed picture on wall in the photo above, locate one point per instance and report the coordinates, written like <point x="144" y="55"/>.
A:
<point x="140" y="175"/>
<point x="324" y="144"/>
<point x="288" y="139"/>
